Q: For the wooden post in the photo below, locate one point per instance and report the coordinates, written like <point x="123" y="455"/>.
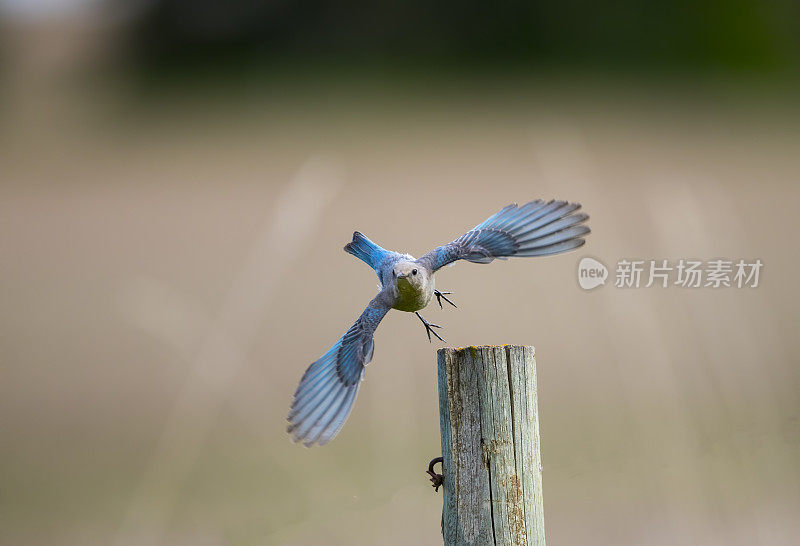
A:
<point x="490" y="444"/>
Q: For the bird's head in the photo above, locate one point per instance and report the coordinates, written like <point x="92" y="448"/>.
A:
<point x="408" y="273"/>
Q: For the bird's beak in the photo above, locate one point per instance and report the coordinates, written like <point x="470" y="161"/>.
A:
<point x="402" y="275"/>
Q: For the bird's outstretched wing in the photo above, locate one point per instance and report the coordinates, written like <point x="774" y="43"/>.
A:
<point x="537" y="228"/>
<point x="325" y="396"/>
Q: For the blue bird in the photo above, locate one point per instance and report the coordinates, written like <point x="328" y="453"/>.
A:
<point x="325" y="396"/>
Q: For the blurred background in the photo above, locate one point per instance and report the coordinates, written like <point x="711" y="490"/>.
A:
<point x="178" y="178"/>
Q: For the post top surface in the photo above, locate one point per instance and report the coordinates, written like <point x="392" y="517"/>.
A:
<point x="477" y="347"/>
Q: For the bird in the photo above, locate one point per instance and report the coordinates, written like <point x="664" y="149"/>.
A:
<point x="327" y="391"/>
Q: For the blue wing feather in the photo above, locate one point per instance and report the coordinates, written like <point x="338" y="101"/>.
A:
<point x="537" y="228"/>
<point x="326" y="393"/>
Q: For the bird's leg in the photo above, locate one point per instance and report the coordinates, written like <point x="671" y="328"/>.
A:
<point x="429" y="328"/>
<point x="436" y="479"/>
<point x="441" y="295"/>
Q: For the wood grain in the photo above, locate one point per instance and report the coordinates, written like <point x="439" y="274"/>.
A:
<point x="490" y="445"/>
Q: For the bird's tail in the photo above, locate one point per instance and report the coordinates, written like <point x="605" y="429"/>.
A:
<point x="365" y="250"/>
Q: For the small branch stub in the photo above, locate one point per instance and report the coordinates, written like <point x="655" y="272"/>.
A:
<point x="490" y="445"/>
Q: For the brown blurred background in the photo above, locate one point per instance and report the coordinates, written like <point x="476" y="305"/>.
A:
<point x="177" y="180"/>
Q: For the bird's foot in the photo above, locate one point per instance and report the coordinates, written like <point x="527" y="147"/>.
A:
<point x="429" y="328"/>
<point x="436" y="479"/>
<point x="441" y="296"/>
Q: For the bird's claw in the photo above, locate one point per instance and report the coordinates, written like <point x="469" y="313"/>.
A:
<point x="429" y="328"/>
<point x="441" y="296"/>
<point x="436" y="479"/>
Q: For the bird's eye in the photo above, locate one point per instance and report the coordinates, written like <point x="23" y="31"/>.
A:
<point x="413" y="271"/>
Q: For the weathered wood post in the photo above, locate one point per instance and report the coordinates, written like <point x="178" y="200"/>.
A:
<point x="490" y="444"/>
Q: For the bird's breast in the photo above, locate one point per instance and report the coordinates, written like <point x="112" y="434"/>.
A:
<point x="413" y="297"/>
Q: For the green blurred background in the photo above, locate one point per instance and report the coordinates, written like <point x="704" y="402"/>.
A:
<point x="178" y="178"/>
